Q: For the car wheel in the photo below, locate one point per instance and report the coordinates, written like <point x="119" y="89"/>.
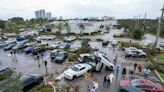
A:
<point x="143" y="56"/>
<point x="74" y="77"/>
<point x="111" y="68"/>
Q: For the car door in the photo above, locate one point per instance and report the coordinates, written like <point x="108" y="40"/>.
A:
<point x="148" y="88"/>
<point x="82" y="71"/>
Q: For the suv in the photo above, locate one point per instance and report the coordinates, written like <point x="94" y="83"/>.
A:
<point x="53" y="54"/>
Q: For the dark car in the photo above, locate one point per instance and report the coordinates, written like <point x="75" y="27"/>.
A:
<point x="104" y="43"/>
<point x="53" y="54"/>
<point x="30" y="81"/>
<point x="9" y="47"/>
<point x="61" y="56"/>
<point x="37" y="50"/>
<point x="20" y="38"/>
<point x="19" y="46"/>
<point x="99" y="39"/>
<point x="64" y="46"/>
<point x="28" y="50"/>
<point x="130" y="89"/>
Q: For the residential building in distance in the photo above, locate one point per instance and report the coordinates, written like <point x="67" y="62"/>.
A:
<point x="40" y="14"/>
<point x="49" y="15"/>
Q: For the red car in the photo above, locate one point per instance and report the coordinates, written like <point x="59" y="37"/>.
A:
<point x="143" y="84"/>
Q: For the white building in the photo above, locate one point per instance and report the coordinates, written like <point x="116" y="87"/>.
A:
<point x="49" y="15"/>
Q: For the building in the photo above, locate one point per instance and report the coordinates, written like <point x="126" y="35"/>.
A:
<point x="48" y="15"/>
<point x="40" y="14"/>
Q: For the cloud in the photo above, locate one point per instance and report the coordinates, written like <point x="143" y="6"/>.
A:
<point x="81" y="8"/>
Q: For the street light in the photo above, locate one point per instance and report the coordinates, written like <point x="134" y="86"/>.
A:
<point x="159" y="27"/>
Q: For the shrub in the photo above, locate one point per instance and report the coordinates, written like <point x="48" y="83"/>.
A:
<point x="6" y="74"/>
<point x="42" y="88"/>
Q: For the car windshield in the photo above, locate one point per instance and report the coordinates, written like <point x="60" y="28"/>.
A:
<point x="134" y="82"/>
<point x="60" y="55"/>
<point x="75" y="68"/>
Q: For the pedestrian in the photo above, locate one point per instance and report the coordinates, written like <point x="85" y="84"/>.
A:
<point x="38" y="60"/>
<point x="131" y="73"/>
<point x="105" y="80"/>
<point x="42" y="54"/>
<point x="139" y="69"/>
<point x="45" y="63"/>
<point x="135" y="65"/>
<point x="147" y="72"/>
<point x="14" y="54"/>
<point x="110" y="78"/>
<point x="117" y="70"/>
<point x="96" y="85"/>
<point x="11" y="53"/>
<point x="88" y="88"/>
<point x="124" y="71"/>
<point x="93" y="89"/>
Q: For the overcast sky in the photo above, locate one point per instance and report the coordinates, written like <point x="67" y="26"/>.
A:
<point x="81" y="8"/>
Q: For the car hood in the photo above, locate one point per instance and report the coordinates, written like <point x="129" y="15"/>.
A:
<point x="59" y="58"/>
<point x="69" y="72"/>
<point x="124" y="82"/>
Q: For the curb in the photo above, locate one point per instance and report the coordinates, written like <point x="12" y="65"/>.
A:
<point x="158" y="75"/>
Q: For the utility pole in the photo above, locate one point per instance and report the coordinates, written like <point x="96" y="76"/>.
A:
<point x="144" y="21"/>
<point x="138" y="25"/>
<point x="159" y="27"/>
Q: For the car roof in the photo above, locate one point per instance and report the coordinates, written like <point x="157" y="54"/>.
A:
<point x="80" y="65"/>
<point x="131" y="89"/>
<point x="3" y="68"/>
<point x="24" y="78"/>
<point x="136" y="82"/>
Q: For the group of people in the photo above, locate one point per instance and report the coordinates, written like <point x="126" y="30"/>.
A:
<point x="108" y="79"/>
<point x="13" y="55"/>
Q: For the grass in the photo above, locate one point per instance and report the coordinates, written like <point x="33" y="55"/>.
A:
<point x="162" y="75"/>
<point x="160" y="57"/>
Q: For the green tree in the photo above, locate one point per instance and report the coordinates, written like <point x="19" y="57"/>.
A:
<point x="17" y="20"/>
<point x="60" y="27"/>
<point x="82" y="28"/>
<point x="137" y="34"/>
<point x="11" y="27"/>
<point x="2" y="26"/>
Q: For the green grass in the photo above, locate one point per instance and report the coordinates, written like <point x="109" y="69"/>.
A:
<point x="162" y="75"/>
<point x="160" y="57"/>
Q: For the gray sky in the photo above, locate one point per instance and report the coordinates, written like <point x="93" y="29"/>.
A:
<point x="81" y="8"/>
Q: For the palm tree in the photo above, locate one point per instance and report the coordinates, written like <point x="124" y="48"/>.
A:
<point x="101" y="27"/>
<point x="67" y="27"/>
<point x="82" y="28"/>
<point x="159" y="27"/>
<point x="60" y="27"/>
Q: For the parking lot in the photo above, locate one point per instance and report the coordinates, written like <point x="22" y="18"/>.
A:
<point x="28" y="64"/>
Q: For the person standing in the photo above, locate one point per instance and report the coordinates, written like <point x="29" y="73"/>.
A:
<point x="139" y="69"/>
<point x="147" y="72"/>
<point x="96" y="85"/>
<point x="110" y="78"/>
<point x="11" y="53"/>
<point x="38" y="60"/>
<point x="42" y="54"/>
<point x="14" y="54"/>
<point x="124" y="72"/>
<point x="105" y="80"/>
<point x="45" y="63"/>
<point x="135" y="66"/>
<point x="117" y="70"/>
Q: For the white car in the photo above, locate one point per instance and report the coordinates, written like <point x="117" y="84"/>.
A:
<point x="134" y="52"/>
<point x="114" y="42"/>
<point x="161" y="44"/>
<point x="77" y="70"/>
<point x="70" y="38"/>
<point x="55" y="44"/>
<point x="130" y="49"/>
